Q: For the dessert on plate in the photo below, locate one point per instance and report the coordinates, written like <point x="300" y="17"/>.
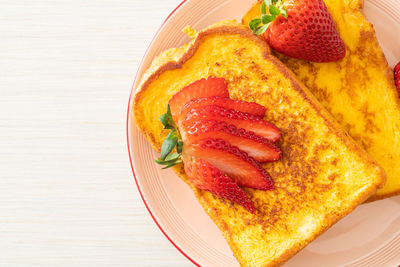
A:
<point x="322" y="174"/>
<point x="357" y="90"/>
<point x="273" y="163"/>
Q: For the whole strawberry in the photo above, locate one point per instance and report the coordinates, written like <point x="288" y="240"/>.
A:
<point x="397" y="76"/>
<point x="301" y="29"/>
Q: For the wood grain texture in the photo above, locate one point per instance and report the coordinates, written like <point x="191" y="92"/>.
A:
<point x="67" y="195"/>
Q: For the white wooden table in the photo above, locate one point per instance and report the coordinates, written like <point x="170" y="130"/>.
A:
<point x="67" y="194"/>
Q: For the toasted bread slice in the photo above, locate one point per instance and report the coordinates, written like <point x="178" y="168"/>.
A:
<point x="323" y="174"/>
<point x="359" y="91"/>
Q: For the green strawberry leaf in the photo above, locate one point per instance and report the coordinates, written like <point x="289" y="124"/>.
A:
<point x="171" y="158"/>
<point x="172" y="164"/>
<point x="163" y="162"/>
<point x="179" y="147"/>
<point x="253" y="24"/>
<point x="169" y="144"/>
<point x="284" y="12"/>
<point x="172" y="140"/>
<point x="267" y="2"/>
<point x="169" y="116"/>
<point x="263" y="8"/>
<point x="267" y="19"/>
<point x="164" y="120"/>
<point x="260" y="30"/>
<point x="273" y="10"/>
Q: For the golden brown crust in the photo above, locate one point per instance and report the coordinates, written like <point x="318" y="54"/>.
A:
<point x="366" y="194"/>
<point x="344" y="138"/>
<point x="294" y="250"/>
<point x="168" y="66"/>
<point x="381" y="197"/>
<point x="307" y="96"/>
<point x="390" y="77"/>
<point x="329" y="120"/>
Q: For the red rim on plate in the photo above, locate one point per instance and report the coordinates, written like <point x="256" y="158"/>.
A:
<point x="129" y="152"/>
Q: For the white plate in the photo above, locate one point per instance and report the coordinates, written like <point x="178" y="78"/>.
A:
<point x="369" y="236"/>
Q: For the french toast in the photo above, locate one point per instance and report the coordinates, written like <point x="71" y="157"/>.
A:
<point x="322" y="175"/>
<point x="359" y="90"/>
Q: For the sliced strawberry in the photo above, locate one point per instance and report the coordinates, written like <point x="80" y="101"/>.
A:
<point x="243" y="169"/>
<point x="246" y="121"/>
<point x="256" y="146"/>
<point x="198" y="89"/>
<point x="397" y="77"/>
<point x="206" y="177"/>
<point x="243" y="106"/>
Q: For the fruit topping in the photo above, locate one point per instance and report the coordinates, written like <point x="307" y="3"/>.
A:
<point x="198" y="89"/>
<point x="171" y="142"/>
<point x="243" y="169"/>
<point x="206" y="177"/>
<point x="397" y="76"/>
<point x="220" y="141"/>
<point x="238" y="105"/>
<point x="255" y="146"/>
<point x="246" y="121"/>
<point x="301" y="29"/>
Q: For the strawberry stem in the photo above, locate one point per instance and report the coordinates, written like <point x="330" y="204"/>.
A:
<point x="172" y="140"/>
<point x="275" y="8"/>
